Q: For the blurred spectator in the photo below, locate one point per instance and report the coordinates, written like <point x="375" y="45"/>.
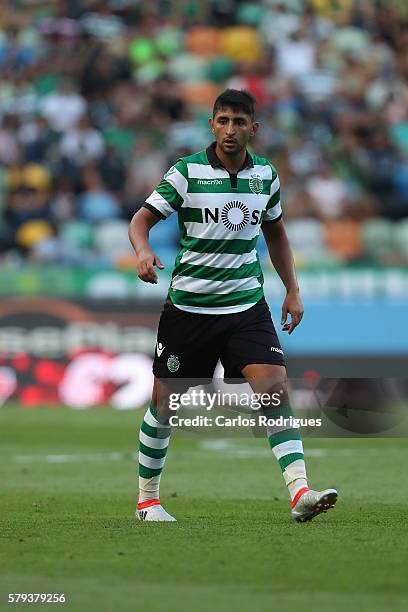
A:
<point x="82" y="143"/>
<point x="296" y="55"/>
<point x="167" y="99"/>
<point x="27" y="214"/>
<point x="9" y="146"/>
<point x="400" y="180"/>
<point x="63" y="204"/>
<point x="113" y="170"/>
<point x="95" y="203"/>
<point x="63" y="107"/>
<point x="328" y="193"/>
<point x="102" y="71"/>
<point x="38" y="140"/>
<point x="146" y="168"/>
<point x="28" y="194"/>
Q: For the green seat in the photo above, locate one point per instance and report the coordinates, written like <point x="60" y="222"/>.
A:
<point x="377" y="236"/>
<point x="401" y="236"/>
<point x="220" y="69"/>
<point x="77" y="233"/>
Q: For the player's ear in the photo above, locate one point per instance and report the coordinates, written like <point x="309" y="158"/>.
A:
<point x="211" y="124"/>
<point x="255" y="127"/>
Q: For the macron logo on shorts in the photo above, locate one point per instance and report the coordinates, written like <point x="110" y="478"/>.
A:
<point x="159" y="349"/>
<point x="276" y="350"/>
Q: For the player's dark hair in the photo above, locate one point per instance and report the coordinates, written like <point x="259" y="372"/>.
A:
<point x="239" y="100"/>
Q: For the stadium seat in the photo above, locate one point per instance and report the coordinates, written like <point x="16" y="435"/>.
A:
<point x="77" y="233"/>
<point x="343" y="238"/>
<point x="111" y="238"/>
<point x="203" y="41"/>
<point x="377" y="236"/>
<point x="33" y="232"/>
<point x="187" y="68"/>
<point x="167" y="256"/>
<point x="307" y="239"/>
<point x="262" y="249"/>
<point x="220" y="69"/>
<point x="165" y="234"/>
<point x="200" y="95"/>
<point x="242" y="44"/>
<point x="400" y="236"/>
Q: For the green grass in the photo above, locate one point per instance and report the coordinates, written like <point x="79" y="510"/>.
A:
<point x="66" y="523"/>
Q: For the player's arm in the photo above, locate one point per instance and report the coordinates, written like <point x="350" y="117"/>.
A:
<point x="282" y="259"/>
<point x="139" y="229"/>
<point x="166" y="199"/>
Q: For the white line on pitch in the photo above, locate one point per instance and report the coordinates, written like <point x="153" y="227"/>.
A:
<point x="73" y="457"/>
<point x="226" y="448"/>
<point x="230" y="449"/>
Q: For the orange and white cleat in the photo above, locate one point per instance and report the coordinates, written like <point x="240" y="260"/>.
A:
<point x="152" y="510"/>
<point x="308" y="503"/>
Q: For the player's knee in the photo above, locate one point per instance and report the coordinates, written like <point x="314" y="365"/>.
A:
<point x="274" y="396"/>
<point x="162" y="395"/>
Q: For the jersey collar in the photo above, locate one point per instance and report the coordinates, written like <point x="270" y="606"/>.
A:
<point x="217" y="163"/>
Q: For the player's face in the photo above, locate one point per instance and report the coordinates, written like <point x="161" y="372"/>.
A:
<point x="232" y="130"/>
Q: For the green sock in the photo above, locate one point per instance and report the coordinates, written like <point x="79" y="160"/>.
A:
<point x="286" y="445"/>
<point x="154" y="439"/>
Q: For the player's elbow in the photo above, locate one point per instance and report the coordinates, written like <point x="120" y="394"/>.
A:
<point x="132" y="226"/>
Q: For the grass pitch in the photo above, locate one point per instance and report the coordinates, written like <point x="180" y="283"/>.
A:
<point x="68" y="483"/>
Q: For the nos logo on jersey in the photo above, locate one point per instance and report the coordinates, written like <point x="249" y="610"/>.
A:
<point x="235" y="215"/>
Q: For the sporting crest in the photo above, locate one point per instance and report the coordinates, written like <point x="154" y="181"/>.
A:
<point x="255" y="183"/>
<point x="173" y="363"/>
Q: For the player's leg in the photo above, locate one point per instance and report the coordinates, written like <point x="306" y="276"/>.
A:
<point x="186" y="353"/>
<point x="254" y="351"/>
<point x="286" y="443"/>
<point x="154" y="438"/>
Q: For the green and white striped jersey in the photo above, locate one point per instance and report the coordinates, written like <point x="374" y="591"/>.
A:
<point x="217" y="269"/>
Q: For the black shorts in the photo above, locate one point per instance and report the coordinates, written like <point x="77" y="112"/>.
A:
<point x="189" y="345"/>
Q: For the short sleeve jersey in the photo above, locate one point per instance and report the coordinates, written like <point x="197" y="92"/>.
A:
<point x="217" y="269"/>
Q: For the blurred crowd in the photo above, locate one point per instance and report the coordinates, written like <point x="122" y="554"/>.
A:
<point x="98" y="98"/>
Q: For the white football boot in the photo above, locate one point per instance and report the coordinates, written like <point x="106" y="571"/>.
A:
<point x="154" y="512"/>
<point x="310" y="503"/>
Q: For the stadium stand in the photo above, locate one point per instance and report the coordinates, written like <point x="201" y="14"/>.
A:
<point x="98" y="98"/>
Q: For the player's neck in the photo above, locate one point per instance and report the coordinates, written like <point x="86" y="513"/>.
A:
<point x="232" y="163"/>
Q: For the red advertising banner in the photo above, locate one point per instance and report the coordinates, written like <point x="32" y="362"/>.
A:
<point x="77" y="353"/>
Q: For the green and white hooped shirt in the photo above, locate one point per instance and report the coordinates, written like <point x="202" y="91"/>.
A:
<point x="217" y="269"/>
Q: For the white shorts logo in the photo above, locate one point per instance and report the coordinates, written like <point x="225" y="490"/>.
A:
<point x="276" y="350"/>
<point x="159" y="349"/>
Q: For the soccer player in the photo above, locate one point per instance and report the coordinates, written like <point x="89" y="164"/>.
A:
<point x="215" y="309"/>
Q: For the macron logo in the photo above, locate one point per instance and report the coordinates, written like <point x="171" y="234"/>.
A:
<point x="276" y="350"/>
<point x="159" y="349"/>
<point x="209" y="182"/>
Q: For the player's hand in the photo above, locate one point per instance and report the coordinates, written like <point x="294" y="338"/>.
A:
<point x="293" y="306"/>
<point x="145" y="261"/>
